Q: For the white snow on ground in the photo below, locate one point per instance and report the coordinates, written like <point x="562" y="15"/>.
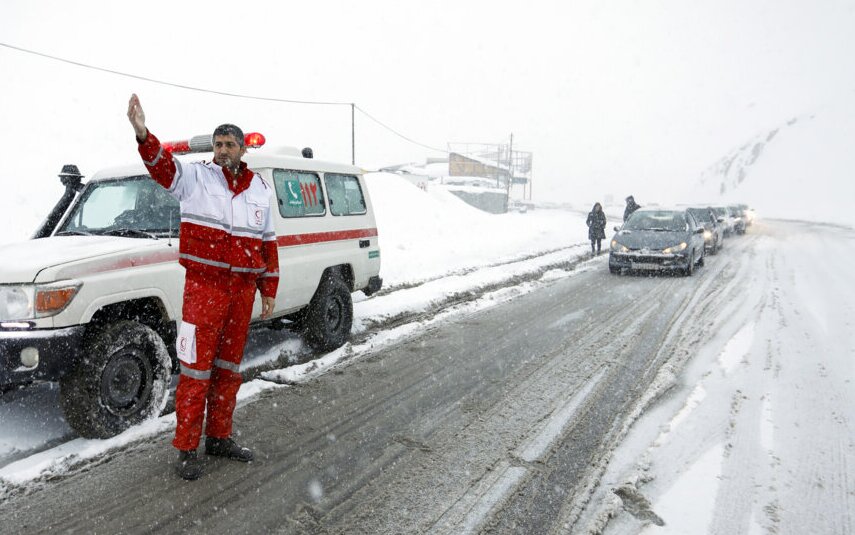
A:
<point x="757" y="434"/>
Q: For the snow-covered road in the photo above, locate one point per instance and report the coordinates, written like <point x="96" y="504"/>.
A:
<point x="757" y="434"/>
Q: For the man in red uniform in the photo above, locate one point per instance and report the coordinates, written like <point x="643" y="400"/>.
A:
<point x="228" y="249"/>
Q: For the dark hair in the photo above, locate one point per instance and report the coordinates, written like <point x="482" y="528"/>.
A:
<point x="228" y="129"/>
<point x="594" y="209"/>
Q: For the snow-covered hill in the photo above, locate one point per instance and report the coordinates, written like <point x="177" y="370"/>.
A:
<point x="803" y="168"/>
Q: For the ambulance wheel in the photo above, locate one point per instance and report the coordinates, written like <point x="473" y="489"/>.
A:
<point x="122" y="380"/>
<point x="329" y="317"/>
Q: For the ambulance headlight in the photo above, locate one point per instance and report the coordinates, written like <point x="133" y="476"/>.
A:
<point x="31" y="301"/>
<point x="16" y="302"/>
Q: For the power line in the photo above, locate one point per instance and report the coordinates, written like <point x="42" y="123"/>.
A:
<point x="223" y="93"/>
<point x="172" y="84"/>
<point x="402" y="136"/>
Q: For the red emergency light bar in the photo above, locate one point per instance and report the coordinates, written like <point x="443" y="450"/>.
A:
<point x="203" y="143"/>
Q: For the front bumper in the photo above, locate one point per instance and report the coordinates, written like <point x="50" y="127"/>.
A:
<point x="648" y="261"/>
<point x="59" y="351"/>
<point x="710" y="242"/>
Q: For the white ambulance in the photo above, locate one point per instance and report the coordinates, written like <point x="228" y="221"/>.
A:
<point x="93" y="300"/>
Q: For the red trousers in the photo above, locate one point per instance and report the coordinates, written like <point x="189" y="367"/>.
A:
<point x="211" y="341"/>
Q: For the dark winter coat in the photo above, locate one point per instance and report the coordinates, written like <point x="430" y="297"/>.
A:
<point x="596" y="225"/>
<point x="630" y="208"/>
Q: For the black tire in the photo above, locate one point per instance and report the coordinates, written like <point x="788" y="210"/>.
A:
<point x="330" y="314"/>
<point x="122" y="380"/>
<point x="690" y="268"/>
<point x="614" y="270"/>
<point x="702" y="259"/>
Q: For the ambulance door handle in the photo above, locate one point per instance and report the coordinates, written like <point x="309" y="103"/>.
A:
<point x="364" y="243"/>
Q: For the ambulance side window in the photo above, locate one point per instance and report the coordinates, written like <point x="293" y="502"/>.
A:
<point x="299" y="193"/>
<point x="345" y="194"/>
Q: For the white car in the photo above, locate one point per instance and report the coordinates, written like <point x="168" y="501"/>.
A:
<point x="93" y="300"/>
<point x="726" y="219"/>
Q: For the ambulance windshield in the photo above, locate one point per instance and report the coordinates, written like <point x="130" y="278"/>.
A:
<point x="132" y="207"/>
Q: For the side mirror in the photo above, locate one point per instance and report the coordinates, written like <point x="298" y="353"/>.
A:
<point x="699" y="230"/>
<point x="617" y="229"/>
<point x="720" y="220"/>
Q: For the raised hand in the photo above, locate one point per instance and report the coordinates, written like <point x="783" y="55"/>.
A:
<point x="136" y="116"/>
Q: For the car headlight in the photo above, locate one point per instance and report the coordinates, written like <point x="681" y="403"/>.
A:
<point x="675" y="249"/>
<point x="31" y="301"/>
<point x="16" y="302"/>
<point x="618" y="247"/>
<point x="707" y="235"/>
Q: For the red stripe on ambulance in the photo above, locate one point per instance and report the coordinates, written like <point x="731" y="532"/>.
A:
<point x="318" y="237"/>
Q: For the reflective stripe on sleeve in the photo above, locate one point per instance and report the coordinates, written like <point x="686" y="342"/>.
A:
<point x="156" y="158"/>
<point x="270" y="274"/>
<point x="226" y="365"/>
<point x="202" y="375"/>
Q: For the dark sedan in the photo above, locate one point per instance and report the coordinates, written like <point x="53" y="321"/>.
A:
<point x="658" y="239"/>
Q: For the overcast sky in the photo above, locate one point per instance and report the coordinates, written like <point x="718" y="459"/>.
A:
<point x="611" y="97"/>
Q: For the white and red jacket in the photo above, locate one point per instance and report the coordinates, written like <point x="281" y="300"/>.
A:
<point x="226" y="224"/>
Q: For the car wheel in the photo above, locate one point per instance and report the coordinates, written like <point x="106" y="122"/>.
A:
<point x="614" y="270"/>
<point x="122" y="380"/>
<point x="702" y="259"/>
<point x="690" y="268"/>
<point x="330" y="314"/>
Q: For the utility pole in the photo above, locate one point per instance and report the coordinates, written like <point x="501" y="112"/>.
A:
<point x="498" y="166"/>
<point x="510" y="172"/>
<point x="353" y="133"/>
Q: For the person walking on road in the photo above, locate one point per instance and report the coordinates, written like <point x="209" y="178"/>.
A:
<point x="596" y="227"/>
<point x="631" y="207"/>
<point x="228" y="249"/>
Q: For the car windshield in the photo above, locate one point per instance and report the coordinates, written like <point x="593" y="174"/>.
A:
<point x="720" y="211"/>
<point x="133" y="207"/>
<point x="662" y="220"/>
<point x="701" y="214"/>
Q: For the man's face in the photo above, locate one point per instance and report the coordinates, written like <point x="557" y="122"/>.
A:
<point x="227" y="151"/>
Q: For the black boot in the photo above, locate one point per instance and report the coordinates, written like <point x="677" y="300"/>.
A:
<point x="189" y="465"/>
<point x="226" y="447"/>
